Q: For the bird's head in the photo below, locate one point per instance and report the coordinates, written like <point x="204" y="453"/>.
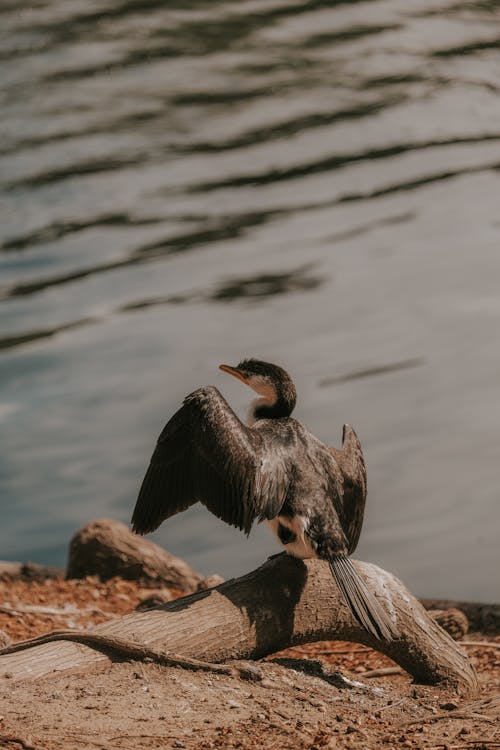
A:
<point x="273" y="384"/>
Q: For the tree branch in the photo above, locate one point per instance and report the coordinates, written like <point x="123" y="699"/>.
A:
<point x="285" y="602"/>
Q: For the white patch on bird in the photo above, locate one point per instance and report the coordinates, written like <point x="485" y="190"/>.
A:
<point x="264" y="388"/>
<point x="301" y="547"/>
<point x="266" y="391"/>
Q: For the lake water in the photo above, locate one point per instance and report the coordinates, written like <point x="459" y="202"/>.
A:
<point x="313" y="183"/>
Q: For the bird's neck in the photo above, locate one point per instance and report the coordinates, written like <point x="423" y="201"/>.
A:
<point x="266" y="411"/>
<point x="279" y="407"/>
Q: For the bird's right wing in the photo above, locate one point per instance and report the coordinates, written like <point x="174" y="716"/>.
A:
<point x="351" y="507"/>
<point x="206" y="454"/>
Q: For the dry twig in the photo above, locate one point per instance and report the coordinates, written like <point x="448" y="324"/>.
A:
<point x="382" y="672"/>
<point x="133" y="650"/>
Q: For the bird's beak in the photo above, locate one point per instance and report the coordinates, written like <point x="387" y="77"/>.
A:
<point x="234" y="371"/>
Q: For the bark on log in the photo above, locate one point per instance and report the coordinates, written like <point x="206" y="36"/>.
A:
<point x="107" y="548"/>
<point x="283" y="603"/>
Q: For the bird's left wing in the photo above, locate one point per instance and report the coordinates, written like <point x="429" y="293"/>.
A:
<point x="206" y="454"/>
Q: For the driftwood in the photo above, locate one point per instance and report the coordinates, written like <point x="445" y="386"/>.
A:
<point x="483" y="617"/>
<point x="283" y="603"/>
<point x="11" y="571"/>
<point x="452" y="620"/>
<point x="107" y="548"/>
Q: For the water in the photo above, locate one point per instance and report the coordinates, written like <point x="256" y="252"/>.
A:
<point x="315" y="183"/>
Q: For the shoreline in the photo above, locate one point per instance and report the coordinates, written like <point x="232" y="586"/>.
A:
<point x="327" y="694"/>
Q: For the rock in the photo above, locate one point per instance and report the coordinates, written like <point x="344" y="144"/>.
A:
<point x="107" y="548"/>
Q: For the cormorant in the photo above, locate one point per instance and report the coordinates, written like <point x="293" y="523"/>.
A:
<point x="274" y="470"/>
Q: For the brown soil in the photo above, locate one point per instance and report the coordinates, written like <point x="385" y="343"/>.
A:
<point x="301" y="703"/>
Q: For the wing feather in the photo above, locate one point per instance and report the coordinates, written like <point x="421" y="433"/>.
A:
<point x="350" y="506"/>
<point x="206" y="454"/>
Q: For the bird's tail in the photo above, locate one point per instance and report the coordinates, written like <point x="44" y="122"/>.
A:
<point x="362" y="603"/>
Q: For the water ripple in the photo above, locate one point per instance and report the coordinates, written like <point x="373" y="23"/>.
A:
<point x="336" y="162"/>
<point x="468" y="49"/>
<point x="370" y="372"/>
<point x="229" y="229"/>
<point x="296" y="125"/>
<point x="60" y="229"/>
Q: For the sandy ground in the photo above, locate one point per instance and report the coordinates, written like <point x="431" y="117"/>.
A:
<point x="316" y="696"/>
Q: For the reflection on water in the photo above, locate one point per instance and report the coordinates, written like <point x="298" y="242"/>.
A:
<point x="251" y="288"/>
<point x="315" y="183"/>
<point x="370" y="372"/>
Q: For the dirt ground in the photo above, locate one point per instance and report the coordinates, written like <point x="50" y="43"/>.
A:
<point x="316" y="696"/>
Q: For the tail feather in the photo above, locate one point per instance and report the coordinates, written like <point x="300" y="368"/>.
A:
<point x="362" y="603"/>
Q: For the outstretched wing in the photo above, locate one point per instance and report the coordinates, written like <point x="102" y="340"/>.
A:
<point x="351" y="507"/>
<point x="206" y="454"/>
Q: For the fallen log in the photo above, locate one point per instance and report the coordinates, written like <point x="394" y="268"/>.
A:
<point x="107" y="548"/>
<point x="286" y="602"/>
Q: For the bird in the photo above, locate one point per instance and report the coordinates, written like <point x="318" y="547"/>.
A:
<point x="272" y="469"/>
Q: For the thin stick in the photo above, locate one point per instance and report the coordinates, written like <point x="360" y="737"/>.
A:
<point x="382" y="672"/>
<point x="484" y="744"/>
<point x="391" y="705"/>
<point x="449" y="715"/>
<point x="28" y="609"/>
<point x="341" y="651"/>
<point x="133" y="650"/>
<point x="486" y="644"/>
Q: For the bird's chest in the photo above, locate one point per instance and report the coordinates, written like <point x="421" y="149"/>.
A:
<point x="292" y="534"/>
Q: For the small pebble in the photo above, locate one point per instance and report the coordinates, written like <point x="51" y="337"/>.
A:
<point x="449" y="706"/>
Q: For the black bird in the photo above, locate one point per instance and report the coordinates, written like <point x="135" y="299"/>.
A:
<point x="311" y="495"/>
